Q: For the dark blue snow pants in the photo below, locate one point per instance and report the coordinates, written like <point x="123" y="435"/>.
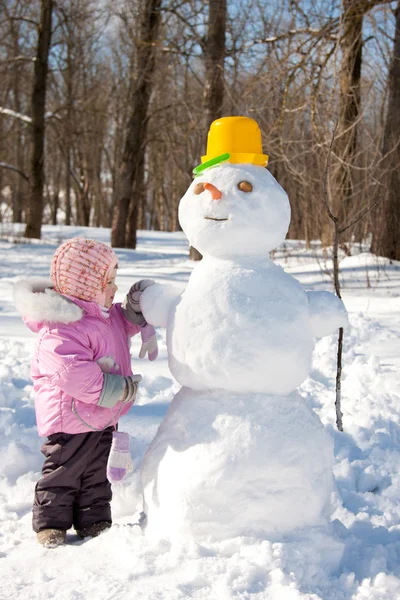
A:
<point x="74" y="489"/>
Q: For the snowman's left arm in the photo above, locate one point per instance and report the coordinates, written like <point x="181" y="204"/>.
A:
<point x="327" y="313"/>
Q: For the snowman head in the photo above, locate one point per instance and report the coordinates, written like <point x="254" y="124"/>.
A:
<point x="235" y="210"/>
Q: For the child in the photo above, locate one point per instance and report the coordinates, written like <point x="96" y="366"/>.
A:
<point x="83" y="382"/>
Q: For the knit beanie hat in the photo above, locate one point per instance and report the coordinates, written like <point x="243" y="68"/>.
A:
<point x="81" y="268"/>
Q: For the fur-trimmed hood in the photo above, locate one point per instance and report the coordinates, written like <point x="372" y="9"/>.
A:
<point x="38" y="303"/>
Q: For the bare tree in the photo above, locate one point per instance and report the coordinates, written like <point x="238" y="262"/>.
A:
<point x="214" y="59"/>
<point x="346" y="145"/>
<point x="339" y="227"/>
<point x="386" y="239"/>
<point x="15" y="67"/>
<point x="131" y="191"/>
<point x="35" y="201"/>
<point x="17" y="84"/>
<point x="281" y="64"/>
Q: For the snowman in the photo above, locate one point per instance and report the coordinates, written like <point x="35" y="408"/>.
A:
<point x="239" y="452"/>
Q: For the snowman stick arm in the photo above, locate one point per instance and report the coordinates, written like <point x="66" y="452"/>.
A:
<point x="156" y="303"/>
<point x="327" y="313"/>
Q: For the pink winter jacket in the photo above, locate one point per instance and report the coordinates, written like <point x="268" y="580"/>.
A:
<point x="77" y="344"/>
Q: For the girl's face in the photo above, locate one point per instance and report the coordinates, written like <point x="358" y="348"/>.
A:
<point x="110" y="289"/>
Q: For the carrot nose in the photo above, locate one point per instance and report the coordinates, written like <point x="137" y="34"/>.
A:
<point x="215" y="193"/>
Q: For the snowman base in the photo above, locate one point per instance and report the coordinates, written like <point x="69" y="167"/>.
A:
<point x="224" y="465"/>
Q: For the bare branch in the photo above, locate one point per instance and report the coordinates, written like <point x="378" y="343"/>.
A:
<point x="15" y="59"/>
<point x="361" y="216"/>
<point x="15" y="115"/>
<point x="22" y="19"/>
<point x="364" y="6"/>
<point x="25" y="118"/>
<point x="326" y="177"/>
<point x="12" y="168"/>
<point x="311" y="32"/>
<point x="199" y="39"/>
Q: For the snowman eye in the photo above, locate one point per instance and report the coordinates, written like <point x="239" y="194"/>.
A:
<point x="245" y="186"/>
<point x="198" y="188"/>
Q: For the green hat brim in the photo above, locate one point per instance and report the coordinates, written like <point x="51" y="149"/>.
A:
<point x="211" y="163"/>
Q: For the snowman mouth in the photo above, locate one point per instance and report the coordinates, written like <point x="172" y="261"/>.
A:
<point x="215" y="219"/>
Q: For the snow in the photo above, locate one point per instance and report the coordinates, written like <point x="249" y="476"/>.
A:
<point x="122" y="563"/>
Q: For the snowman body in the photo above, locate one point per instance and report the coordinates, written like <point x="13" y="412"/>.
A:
<point x="239" y="452"/>
<point x="237" y="327"/>
<point x="225" y="464"/>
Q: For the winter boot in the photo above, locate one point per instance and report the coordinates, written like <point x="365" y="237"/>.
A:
<point x="51" y="538"/>
<point x="94" y="530"/>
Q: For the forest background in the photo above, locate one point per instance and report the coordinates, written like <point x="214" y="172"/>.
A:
<point x="105" y="108"/>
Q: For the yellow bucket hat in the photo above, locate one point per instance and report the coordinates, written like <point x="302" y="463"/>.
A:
<point x="233" y="139"/>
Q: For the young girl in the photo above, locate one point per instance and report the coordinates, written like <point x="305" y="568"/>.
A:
<point x="83" y="382"/>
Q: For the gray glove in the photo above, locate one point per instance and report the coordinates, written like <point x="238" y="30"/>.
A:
<point x="117" y="388"/>
<point x="131" y="386"/>
<point x="131" y="306"/>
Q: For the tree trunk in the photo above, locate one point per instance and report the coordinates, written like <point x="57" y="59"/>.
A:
<point x="35" y="201"/>
<point x="17" y="201"/>
<point x="17" y="85"/>
<point x="136" y="207"/>
<point x="386" y="241"/>
<point x="214" y="58"/>
<point x="123" y="233"/>
<point x="20" y="185"/>
<point x="68" y="134"/>
<point x="83" y="205"/>
<point x="55" y="197"/>
<point x="345" y="145"/>
<point x="68" y="185"/>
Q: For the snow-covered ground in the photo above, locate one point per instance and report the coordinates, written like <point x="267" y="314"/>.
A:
<point x="122" y="563"/>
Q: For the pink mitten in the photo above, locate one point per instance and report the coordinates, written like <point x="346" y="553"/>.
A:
<point x="119" y="460"/>
<point x="149" y="342"/>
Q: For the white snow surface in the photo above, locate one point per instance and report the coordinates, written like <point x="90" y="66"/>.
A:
<point x="360" y="560"/>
